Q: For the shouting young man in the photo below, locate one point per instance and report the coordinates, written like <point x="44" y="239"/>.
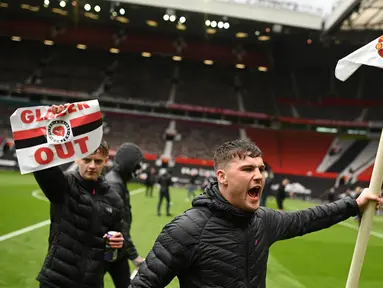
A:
<point x="83" y="210"/>
<point x="224" y="240"/>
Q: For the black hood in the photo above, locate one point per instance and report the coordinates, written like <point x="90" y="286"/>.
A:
<point x="214" y="200"/>
<point x="127" y="160"/>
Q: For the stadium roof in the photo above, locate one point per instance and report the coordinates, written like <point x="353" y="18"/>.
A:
<point x="274" y="12"/>
<point x="355" y="21"/>
<point x="368" y="17"/>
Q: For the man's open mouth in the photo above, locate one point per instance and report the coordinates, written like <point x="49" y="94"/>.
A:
<point x="255" y="191"/>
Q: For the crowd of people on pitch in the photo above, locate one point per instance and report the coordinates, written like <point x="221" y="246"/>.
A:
<point x="221" y="241"/>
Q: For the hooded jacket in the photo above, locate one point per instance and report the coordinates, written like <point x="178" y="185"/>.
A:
<point x="215" y="244"/>
<point x="126" y="162"/>
<point x="81" y="213"/>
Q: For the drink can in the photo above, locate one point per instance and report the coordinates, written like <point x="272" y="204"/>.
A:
<point x="110" y="254"/>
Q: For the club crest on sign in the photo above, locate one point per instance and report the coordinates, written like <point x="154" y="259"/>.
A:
<point x="379" y="46"/>
<point x="58" y="132"/>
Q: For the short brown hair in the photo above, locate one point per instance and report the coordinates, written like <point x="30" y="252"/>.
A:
<point x="235" y="149"/>
<point x="103" y="148"/>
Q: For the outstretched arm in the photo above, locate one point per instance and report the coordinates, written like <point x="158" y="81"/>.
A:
<point x="281" y="225"/>
<point x="285" y="225"/>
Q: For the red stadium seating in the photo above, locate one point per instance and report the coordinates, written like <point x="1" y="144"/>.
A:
<point x="293" y="152"/>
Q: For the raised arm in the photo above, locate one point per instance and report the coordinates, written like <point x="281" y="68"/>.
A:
<point x="54" y="183"/>
<point x="174" y="250"/>
<point x="285" y="225"/>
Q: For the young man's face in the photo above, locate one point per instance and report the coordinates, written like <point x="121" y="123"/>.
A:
<point x="242" y="182"/>
<point x="91" y="167"/>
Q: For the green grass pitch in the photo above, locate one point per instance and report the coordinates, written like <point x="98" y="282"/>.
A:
<point x="318" y="260"/>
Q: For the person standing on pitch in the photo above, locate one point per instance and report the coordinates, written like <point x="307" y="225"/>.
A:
<point x="192" y="186"/>
<point x="149" y="182"/>
<point x="281" y="193"/>
<point x="268" y="175"/>
<point x="127" y="165"/>
<point x="165" y="181"/>
<point x="224" y="239"/>
<point x="83" y="211"/>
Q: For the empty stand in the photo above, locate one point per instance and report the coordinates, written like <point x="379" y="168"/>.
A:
<point x="302" y="151"/>
<point x="129" y="75"/>
<point x="142" y="78"/>
<point x="267" y="141"/>
<point x="201" y="140"/>
<point x="145" y="132"/>
<point x="257" y="93"/>
<point x="18" y="60"/>
<point x="75" y="69"/>
<point x="204" y="85"/>
<point x="334" y="113"/>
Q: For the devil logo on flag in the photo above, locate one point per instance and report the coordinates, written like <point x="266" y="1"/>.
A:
<point x="379" y="46"/>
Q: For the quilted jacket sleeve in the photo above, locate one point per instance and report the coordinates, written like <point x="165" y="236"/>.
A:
<point x="285" y="225"/>
<point x="54" y="183"/>
<point x="174" y="250"/>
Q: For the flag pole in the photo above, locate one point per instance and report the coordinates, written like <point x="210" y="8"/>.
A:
<point x="365" y="226"/>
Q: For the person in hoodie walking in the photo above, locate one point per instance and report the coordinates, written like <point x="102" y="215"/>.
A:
<point x="224" y="239"/>
<point x="127" y="165"/>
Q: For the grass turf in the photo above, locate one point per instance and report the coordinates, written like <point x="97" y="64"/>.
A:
<point x="317" y="260"/>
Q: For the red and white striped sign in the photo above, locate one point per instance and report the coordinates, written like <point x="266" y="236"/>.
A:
<point x="44" y="140"/>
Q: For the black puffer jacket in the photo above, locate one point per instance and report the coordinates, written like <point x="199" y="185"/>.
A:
<point x="216" y="245"/>
<point x="81" y="213"/>
<point x="127" y="159"/>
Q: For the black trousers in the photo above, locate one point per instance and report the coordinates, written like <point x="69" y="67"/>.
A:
<point x="120" y="272"/>
<point x="164" y="194"/>
<point x="149" y="190"/>
<point x="280" y="202"/>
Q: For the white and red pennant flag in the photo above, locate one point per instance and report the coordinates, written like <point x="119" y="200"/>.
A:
<point x="370" y="54"/>
<point x="44" y="140"/>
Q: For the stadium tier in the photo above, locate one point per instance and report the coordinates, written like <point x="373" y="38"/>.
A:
<point x="298" y="92"/>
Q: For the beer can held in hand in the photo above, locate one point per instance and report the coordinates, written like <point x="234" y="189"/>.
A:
<point x="110" y="254"/>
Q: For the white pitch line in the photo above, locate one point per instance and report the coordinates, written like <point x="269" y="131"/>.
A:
<point x="37" y="195"/>
<point x="373" y="233"/>
<point x="24" y="230"/>
<point x="281" y="275"/>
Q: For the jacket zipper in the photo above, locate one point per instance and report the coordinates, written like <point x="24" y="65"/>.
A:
<point x="84" y="255"/>
<point x="247" y="260"/>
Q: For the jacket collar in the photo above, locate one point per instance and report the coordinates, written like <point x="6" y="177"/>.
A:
<point x="100" y="186"/>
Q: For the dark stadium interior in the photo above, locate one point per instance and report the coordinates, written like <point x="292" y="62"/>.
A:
<point x="150" y="68"/>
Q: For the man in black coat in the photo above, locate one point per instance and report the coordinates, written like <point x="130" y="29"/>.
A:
<point x="281" y="193"/>
<point x="165" y="181"/>
<point x="224" y="240"/>
<point x="83" y="210"/>
<point x="150" y="181"/>
<point x="127" y="164"/>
